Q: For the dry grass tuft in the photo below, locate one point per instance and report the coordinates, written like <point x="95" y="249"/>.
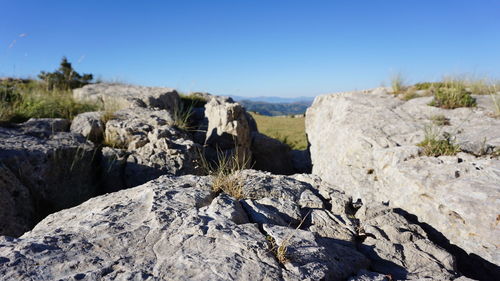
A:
<point x="225" y="173"/>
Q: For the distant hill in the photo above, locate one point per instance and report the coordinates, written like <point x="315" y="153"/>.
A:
<point x="275" y="109"/>
<point x="274" y="99"/>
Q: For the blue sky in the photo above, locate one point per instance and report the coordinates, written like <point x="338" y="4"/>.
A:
<point x="253" y="48"/>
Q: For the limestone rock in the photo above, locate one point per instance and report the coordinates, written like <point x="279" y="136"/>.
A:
<point x="309" y="259"/>
<point x="44" y="127"/>
<point x="171" y="228"/>
<point x="153" y="146"/>
<point x="89" y="125"/>
<point x="118" y="96"/>
<point x="228" y="128"/>
<point x="400" y="248"/>
<point x="364" y="143"/>
<point x="42" y="170"/>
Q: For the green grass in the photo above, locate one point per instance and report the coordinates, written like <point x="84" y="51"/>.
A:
<point x="440" y="120"/>
<point x="398" y="83"/>
<point x="20" y="101"/>
<point x="286" y="129"/>
<point x="435" y="146"/>
<point x="453" y="95"/>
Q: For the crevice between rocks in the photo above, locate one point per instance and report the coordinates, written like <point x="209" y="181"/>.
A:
<point x="470" y="265"/>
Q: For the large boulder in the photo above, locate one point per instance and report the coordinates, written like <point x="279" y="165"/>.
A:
<point x="365" y="144"/>
<point x="43" y="169"/>
<point x="119" y="96"/>
<point x="177" y="228"/>
<point x="228" y="129"/>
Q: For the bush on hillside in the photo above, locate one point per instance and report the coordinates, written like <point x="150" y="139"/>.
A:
<point x="65" y="78"/>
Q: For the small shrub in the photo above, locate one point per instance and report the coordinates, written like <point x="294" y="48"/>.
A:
<point x="440" y="120"/>
<point x="64" y="78"/>
<point x="434" y="146"/>
<point x="452" y="96"/>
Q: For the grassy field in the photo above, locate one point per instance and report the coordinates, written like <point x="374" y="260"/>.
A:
<point x="286" y="129"/>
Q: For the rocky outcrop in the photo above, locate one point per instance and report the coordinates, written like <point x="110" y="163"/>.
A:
<point x="90" y="125"/>
<point x="176" y="228"/>
<point x="228" y="129"/>
<point x="365" y="144"/>
<point x="118" y="96"/>
<point x="43" y="169"/>
<point x="149" y="145"/>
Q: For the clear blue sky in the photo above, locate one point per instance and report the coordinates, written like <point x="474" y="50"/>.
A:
<point x="253" y="48"/>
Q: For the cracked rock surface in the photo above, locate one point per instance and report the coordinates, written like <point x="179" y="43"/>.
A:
<point x="43" y="169"/>
<point x="176" y="228"/>
<point x="364" y="143"/>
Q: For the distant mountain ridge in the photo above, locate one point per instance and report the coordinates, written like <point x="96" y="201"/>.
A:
<point x="275" y="106"/>
<point x="274" y="99"/>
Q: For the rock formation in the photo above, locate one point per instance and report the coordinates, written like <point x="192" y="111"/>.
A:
<point x="176" y="228"/>
<point x="365" y="144"/>
<point x="162" y="220"/>
<point x="43" y="169"/>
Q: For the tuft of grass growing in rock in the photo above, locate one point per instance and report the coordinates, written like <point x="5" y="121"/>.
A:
<point x="279" y="251"/>
<point x="225" y="173"/>
<point x="398" y="83"/>
<point x="453" y="95"/>
<point x="434" y="145"/>
<point x="440" y="120"/>
<point x="182" y="116"/>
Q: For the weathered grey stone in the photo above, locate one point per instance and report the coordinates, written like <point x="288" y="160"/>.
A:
<point x="258" y="185"/>
<point x="364" y="143"/>
<point x="153" y="146"/>
<point x="271" y="155"/>
<point x="310" y="259"/>
<point x="89" y="125"/>
<point x="44" y="127"/>
<point x="226" y="207"/>
<point x="309" y="200"/>
<point x="400" y="248"/>
<point x="228" y="128"/>
<point x="327" y="225"/>
<point x="171" y="228"/>
<point x="276" y="211"/>
<point x="365" y="275"/>
<point x="42" y="170"/>
<point x="118" y="96"/>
